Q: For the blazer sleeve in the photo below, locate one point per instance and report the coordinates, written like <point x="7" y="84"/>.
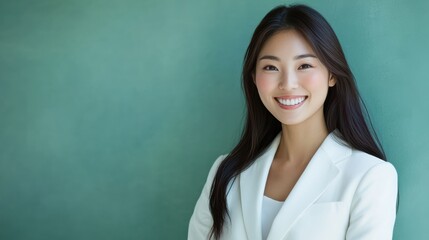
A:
<point x="373" y="208"/>
<point x="201" y="219"/>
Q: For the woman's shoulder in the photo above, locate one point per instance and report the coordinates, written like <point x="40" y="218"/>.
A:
<point x="215" y="166"/>
<point x="354" y="161"/>
<point x="362" y="164"/>
<point x="218" y="161"/>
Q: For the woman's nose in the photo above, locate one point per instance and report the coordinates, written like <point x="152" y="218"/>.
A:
<point x="288" y="81"/>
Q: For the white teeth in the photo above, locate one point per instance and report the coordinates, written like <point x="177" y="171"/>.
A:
<point x="290" y="102"/>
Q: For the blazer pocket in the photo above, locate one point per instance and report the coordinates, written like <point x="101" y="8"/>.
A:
<point x="327" y="211"/>
<point x="322" y="221"/>
<point x="327" y="206"/>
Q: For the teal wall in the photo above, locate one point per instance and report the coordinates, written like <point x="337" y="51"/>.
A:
<point x="112" y="112"/>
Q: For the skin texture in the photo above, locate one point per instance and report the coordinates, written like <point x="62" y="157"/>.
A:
<point x="288" y="68"/>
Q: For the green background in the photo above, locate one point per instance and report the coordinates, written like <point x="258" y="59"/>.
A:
<point x="112" y="112"/>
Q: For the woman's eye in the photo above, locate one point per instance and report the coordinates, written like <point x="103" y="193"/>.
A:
<point x="270" y="68"/>
<point x="304" y="66"/>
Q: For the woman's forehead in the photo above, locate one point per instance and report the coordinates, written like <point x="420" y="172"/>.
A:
<point x="286" y="43"/>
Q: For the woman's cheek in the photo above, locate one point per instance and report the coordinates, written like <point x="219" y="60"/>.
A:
<point x="314" y="80"/>
<point x="264" y="82"/>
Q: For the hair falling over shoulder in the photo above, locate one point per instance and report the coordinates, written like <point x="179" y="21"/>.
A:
<point x="343" y="109"/>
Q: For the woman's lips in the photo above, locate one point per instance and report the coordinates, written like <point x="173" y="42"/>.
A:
<point x="291" y="102"/>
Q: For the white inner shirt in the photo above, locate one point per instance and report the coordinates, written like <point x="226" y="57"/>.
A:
<point x="270" y="208"/>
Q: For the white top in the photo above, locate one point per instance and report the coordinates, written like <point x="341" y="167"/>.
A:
<point x="270" y="208"/>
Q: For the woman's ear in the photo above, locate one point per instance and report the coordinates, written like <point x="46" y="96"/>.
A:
<point x="332" y="80"/>
<point x="253" y="77"/>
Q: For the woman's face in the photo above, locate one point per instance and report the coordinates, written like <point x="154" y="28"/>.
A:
<point x="291" y="81"/>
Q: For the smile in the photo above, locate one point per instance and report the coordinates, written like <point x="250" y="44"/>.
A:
<point x="290" y="101"/>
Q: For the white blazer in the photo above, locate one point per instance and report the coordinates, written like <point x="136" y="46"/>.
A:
<point x="342" y="194"/>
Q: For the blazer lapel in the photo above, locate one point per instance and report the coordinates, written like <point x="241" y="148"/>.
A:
<point x="320" y="171"/>
<point x="252" y="186"/>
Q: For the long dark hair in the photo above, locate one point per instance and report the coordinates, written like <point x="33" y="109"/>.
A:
<point x="343" y="108"/>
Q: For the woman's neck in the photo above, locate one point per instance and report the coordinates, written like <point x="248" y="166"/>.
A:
<point x="300" y="142"/>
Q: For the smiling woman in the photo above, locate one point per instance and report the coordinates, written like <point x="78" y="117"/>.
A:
<point x="289" y="75"/>
<point x="307" y="165"/>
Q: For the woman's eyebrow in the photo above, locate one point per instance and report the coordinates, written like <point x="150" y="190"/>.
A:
<point x="271" y="57"/>
<point x="304" y="56"/>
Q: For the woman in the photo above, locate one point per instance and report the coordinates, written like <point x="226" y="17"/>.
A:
<point x="307" y="166"/>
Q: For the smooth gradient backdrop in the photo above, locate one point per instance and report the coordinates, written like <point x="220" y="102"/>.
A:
<point x="112" y="112"/>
